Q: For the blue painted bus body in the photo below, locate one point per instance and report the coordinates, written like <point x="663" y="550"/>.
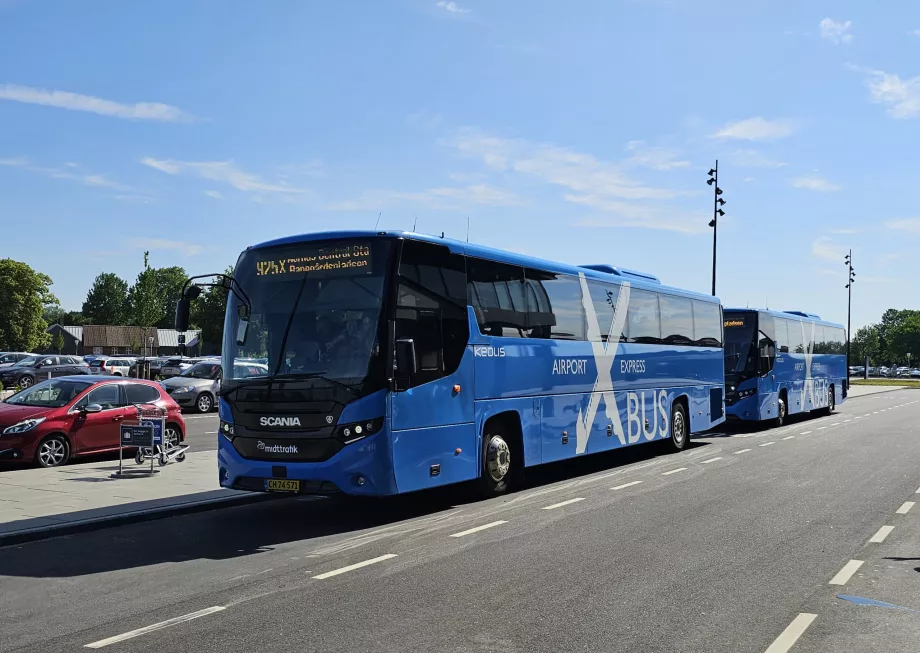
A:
<point x="808" y="372"/>
<point x="570" y="397"/>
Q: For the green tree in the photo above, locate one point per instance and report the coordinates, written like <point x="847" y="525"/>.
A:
<point x="24" y="295"/>
<point x="169" y="287"/>
<point x="107" y="300"/>
<point x="891" y="333"/>
<point x="865" y="342"/>
<point x="904" y="338"/>
<point x="58" y="341"/>
<point x="208" y="314"/>
<point x="146" y="306"/>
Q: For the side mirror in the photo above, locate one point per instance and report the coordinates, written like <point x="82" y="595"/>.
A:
<point x="406" y="362"/>
<point x="91" y="408"/>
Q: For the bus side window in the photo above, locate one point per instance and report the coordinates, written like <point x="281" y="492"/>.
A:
<point x="782" y="335"/>
<point x="496" y="293"/>
<point x="431" y="308"/>
<point x="707" y="324"/>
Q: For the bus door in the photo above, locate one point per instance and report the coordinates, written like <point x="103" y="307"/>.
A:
<point x="767" y="387"/>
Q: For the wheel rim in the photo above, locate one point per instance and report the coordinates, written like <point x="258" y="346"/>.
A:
<point x="52" y="452"/>
<point x="831" y="399"/>
<point x="782" y="409"/>
<point x="498" y="458"/>
<point x="25" y="382"/>
<point x="678" y="431"/>
<point x="172" y="438"/>
<point x="204" y="403"/>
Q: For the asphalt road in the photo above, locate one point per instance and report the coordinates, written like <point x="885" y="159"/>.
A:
<point x="727" y="547"/>
<point x="201" y="434"/>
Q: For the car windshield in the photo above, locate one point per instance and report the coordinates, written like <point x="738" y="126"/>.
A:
<point x="49" y="394"/>
<point x="202" y="371"/>
<point x="315" y="310"/>
<point x="28" y="362"/>
<point x="7" y="358"/>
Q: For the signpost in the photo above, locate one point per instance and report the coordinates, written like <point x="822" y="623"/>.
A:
<point x="136" y="435"/>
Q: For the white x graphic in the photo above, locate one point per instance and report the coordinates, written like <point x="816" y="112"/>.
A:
<point x="605" y="354"/>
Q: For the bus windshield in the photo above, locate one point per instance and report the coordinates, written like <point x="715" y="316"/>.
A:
<point x="740" y="349"/>
<point x="315" y="311"/>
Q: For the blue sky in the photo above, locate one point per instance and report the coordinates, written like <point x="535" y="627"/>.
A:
<point x="580" y="132"/>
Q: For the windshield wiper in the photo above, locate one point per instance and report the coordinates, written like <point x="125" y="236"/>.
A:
<point x="313" y="375"/>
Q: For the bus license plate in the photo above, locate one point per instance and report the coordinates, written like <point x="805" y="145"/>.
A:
<point x="278" y="485"/>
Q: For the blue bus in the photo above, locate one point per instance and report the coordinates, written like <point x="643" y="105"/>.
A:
<point x="399" y="362"/>
<point x="779" y="363"/>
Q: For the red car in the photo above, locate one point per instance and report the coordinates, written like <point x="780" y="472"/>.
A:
<point x="69" y="416"/>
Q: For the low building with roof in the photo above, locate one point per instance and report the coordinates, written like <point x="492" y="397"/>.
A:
<point x="103" y="340"/>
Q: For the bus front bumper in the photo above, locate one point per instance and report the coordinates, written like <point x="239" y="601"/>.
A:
<point x="362" y="469"/>
<point x="743" y="409"/>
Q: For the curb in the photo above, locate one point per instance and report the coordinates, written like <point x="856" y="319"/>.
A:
<point x="138" y="516"/>
<point x="878" y="392"/>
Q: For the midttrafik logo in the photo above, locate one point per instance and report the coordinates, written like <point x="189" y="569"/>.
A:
<point x="276" y="448"/>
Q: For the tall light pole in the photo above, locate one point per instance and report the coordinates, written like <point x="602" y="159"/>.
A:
<point x="717" y="202"/>
<point x="851" y="279"/>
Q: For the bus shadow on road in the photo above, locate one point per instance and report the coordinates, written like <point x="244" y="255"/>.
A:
<point x="258" y="528"/>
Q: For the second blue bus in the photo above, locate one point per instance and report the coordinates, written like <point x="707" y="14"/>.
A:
<point x="781" y="363"/>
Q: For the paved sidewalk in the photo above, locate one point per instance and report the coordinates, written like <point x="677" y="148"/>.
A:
<point x="863" y="390"/>
<point x="37" y="503"/>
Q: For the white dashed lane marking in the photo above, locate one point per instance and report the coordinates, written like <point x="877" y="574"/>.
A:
<point x="905" y="507"/>
<point x="359" y="565"/>
<point x="766" y="444"/>
<point x="746" y="450"/>
<point x="711" y="460"/>
<point x="882" y="533"/>
<point x="157" y="626"/>
<point x="790" y="636"/>
<point x="563" y="503"/>
<point x="673" y="471"/>
<point x="845" y="574"/>
<point x="626" y="485"/>
<point x="479" y="528"/>
<point x="804" y="432"/>
<point x="790" y="437"/>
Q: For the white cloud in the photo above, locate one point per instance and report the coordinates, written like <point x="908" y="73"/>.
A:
<point x="433" y="198"/>
<point x="900" y="96"/>
<point x="93" y="180"/>
<point x="747" y="180"/>
<point x="846" y="231"/>
<point x="905" y="224"/>
<point x="753" y="159"/>
<point x="755" y="129"/>
<point x="915" y="32"/>
<point x="188" y="249"/>
<point x="77" y="102"/>
<point x="452" y="7"/>
<point x="214" y="194"/>
<point x="656" y="158"/>
<point x="826" y="249"/>
<point x="836" y="32"/>
<point x="811" y="182"/>
<point x="629" y="214"/>
<point x="221" y="171"/>
<point x="560" y="166"/>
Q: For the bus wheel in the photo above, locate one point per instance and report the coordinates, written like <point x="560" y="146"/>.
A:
<point x="831" y="402"/>
<point x="680" y="428"/>
<point x="780" y="411"/>
<point x="496" y="464"/>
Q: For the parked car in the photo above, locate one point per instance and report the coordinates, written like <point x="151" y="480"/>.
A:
<point x="114" y="366"/>
<point x="197" y="386"/>
<point x="176" y="365"/>
<point x="902" y="372"/>
<point x="70" y="416"/>
<point x="857" y="370"/>
<point x="10" y="358"/>
<point x="915" y="373"/>
<point x="29" y="370"/>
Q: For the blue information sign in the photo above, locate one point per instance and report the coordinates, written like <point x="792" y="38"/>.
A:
<point x="157" y="426"/>
<point x="137" y="436"/>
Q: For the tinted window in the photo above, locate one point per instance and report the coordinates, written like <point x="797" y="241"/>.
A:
<point x="563" y="294"/>
<point x="107" y="396"/>
<point x="676" y="320"/>
<point x="496" y="293"/>
<point x="821" y="344"/>
<point x="642" y="318"/>
<point x="782" y="335"/>
<point x="138" y="393"/>
<point x="796" y="341"/>
<point x="604" y="298"/>
<point x="431" y="308"/>
<point x="707" y="324"/>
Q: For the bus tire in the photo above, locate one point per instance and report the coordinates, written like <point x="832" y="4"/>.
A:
<point x="831" y="401"/>
<point x="680" y="427"/>
<point x="498" y="461"/>
<point x="781" y="410"/>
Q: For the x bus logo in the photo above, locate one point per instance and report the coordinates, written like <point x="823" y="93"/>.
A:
<point x="605" y="354"/>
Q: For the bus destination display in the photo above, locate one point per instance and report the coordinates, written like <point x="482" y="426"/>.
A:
<point x="334" y="259"/>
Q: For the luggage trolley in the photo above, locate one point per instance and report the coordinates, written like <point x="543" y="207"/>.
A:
<point x="163" y="450"/>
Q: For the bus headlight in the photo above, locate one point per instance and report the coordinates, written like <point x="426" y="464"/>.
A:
<point x="355" y="431"/>
<point x="226" y="429"/>
<point x="747" y="393"/>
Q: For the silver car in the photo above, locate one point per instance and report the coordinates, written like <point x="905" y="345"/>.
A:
<point x="197" y="386"/>
<point x="10" y="358"/>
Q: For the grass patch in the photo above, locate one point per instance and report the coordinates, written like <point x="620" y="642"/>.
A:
<point x="910" y="383"/>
